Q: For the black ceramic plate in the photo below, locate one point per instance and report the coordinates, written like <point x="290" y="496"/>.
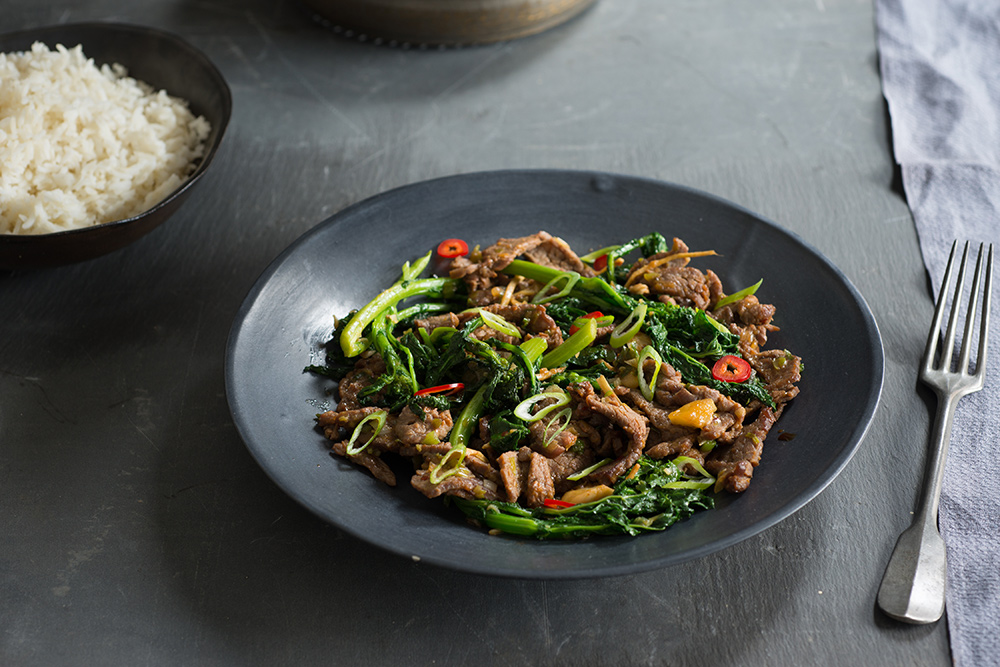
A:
<point x="164" y="61"/>
<point x="345" y="261"/>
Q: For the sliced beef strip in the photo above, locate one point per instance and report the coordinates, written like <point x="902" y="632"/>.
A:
<point x="628" y="420"/>
<point x="532" y="319"/>
<point x="464" y="485"/>
<point x="665" y="438"/>
<point x="752" y="311"/>
<point x="345" y="419"/>
<point x="724" y="426"/>
<point x="748" y="310"/>
<point x="542" y="248"/>
<point x="423" y="451"/>
<point x="513" y="472"/>
<point x="733" y="464"/>
<point x="432" y="429"/>
<point x="671" y="280"/>
<point x="585" y="430"/>
<point x="569" y="463"/>
<point x="527" y="317"/>
<point x="677" y="285"/>
<point x="480" y="276"/>
<point x="364" y="371"/>
<point x="434" y="321"/>
<point x="557" y="254"/>
<point x="779" y="370"/>
<point x="539" y="485"/>
<point x="367" y="459"/>
<point x="658" y="415"/>
<point x="539" y="432"/>
<point x="337" y="425"/>
<point x="506" y="250"/>
<point x="671" y="393"/>
<point x="477" y="462"/>
<point x="748" y="316"/>
<point x="662" y="445"/>
<point x="714" y="287"/>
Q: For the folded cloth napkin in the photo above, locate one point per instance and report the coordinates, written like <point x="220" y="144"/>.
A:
<point x="940" y="64"/>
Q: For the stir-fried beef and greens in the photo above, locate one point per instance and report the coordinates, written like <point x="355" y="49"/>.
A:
<point x="553" y="395"/>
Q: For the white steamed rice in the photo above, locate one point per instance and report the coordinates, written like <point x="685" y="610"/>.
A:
<point x="82" y="145"/>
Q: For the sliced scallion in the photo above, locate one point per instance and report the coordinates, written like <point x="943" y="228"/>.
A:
<point x="560" y="422"/>
<point x="450" y="464"/>
<point x="592" y="257"/>
<point x="498" y="323"/>
<point x="602" y="321"/>
<point x="688" y="482"/>
<point x="570" y="279"/>
<point x="742" y="294"/>
<point x="586" y="471"/>
<point x="648" y="352"/>
<point x="379" y="419"/>
<point x="465" y="425"/>
<point x="534" y="348"/>
<point x="571" y="346"/>
<point x="629" y="327"/>
<point x="557" y="395"/>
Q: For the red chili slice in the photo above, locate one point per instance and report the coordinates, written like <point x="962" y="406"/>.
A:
<point x="446" y="389"/>
<point x="601" y="263"/>
<point x="731" y="369"/>
<point x="451" y="248"/>
<point x="596" y="315"/>
<point x="552" y="503"/>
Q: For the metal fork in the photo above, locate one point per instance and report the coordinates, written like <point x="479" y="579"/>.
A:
<point x="913" y="586"/>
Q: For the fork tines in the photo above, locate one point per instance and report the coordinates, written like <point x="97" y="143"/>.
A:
<point x="944" y="359"/>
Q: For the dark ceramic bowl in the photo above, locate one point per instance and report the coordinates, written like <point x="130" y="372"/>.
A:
<point x="162" y="60"/>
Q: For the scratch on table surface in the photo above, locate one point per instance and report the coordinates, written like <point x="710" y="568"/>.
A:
<point x="306" y="84"/>
<point x="658" y="599"/>
<point x="46" y="402"/>
<point x="727" y="92"/>
<point x="546" y="623"/>
<point x="78" y="557"/>
<point x="498" y="52"/>
<point x="596" y="146"/>
<point x="571" y="116"/>
<point x="143" y="415"/>
<point x="235" y="49"/>
<point x="470" y="624"/>
<point x="189" y="487"/>
<point x="496" y="129"/>
<point x="143" y="433"/>
<point x="181" y="418"/>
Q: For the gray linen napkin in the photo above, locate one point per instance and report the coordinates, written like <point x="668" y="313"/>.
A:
<point x="940" y="62"/>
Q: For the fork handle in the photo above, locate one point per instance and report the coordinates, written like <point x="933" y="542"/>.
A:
<point x="913" y="586"/>
<point x="937" y="457"/>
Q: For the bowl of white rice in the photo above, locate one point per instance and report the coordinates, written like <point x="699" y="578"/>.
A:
<point x="104" y="130"/>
